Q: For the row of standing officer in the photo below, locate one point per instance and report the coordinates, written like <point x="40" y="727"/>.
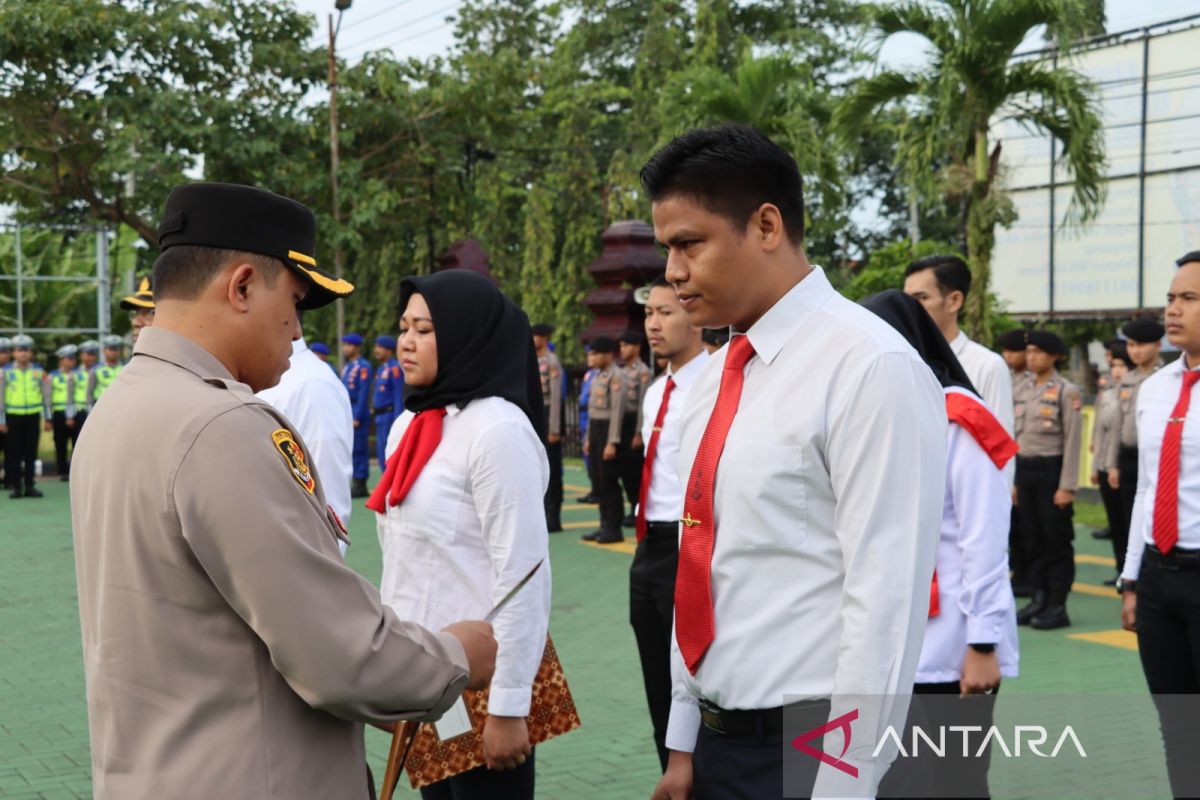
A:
<point x="376" y="395"/>
<point x="59" y="400"/>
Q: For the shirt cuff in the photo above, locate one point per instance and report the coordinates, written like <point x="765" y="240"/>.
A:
<point x="683" y="726"/>
<point x="985" y="630"/>
<point x="509" y="702"/>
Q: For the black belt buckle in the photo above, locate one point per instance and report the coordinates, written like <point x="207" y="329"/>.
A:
<point x="710" y="715"/>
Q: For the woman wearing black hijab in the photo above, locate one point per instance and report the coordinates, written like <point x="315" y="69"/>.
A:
<point x="971" y="637"/>
<point x="460" y="514"/>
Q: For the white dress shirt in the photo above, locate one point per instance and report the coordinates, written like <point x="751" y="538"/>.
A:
<point x="470" y="529"/>
<point x="827" y="507"/>
<point x="1155" y="401"/>
<point x="992" y="379"/>
<point x="311" y="396"/>
<point x="664" y="499"/>
<point x="974" y="593"/>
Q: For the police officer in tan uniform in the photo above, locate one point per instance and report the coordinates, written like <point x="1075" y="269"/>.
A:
<point x="1048" y="423"/>
<point x="228" y="651"/>
<point x="606" y="418"/>
<point x="1012" y="349"/>
<point x="551" y="372"/>
<point x="1143" y="342"/>
<point x="637" y="380"/>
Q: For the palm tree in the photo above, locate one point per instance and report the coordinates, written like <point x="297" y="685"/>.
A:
<point x="971" y="84"/>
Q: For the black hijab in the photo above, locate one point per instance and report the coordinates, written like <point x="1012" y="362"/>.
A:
<point x="913" y="322"/>
<point x="484" y="345"/>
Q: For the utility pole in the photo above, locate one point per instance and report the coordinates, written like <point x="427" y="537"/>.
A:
<point x="340" y="5"/>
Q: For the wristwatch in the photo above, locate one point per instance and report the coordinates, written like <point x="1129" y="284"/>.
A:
<point x="985" y="649"/>
<point x="1125" y="585"/>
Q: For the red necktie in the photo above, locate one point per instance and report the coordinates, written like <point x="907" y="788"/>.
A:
<point x="420" y="439"/>
<point x="1166" y="496"/>
<point x="693" y="582"/>
<point x="648" y="464"/>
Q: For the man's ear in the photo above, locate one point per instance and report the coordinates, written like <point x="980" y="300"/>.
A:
<point x="239" y="285"/>
<point x="766" y="224"/>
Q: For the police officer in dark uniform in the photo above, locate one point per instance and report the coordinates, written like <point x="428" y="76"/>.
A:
<point x="356" y="377"/>
<point x="388" y="395"/>
<point x="1048" y="424"/>
<point x="606" y="417"/>
<point x="551" y="373"/>
<point x="637" y="379"/>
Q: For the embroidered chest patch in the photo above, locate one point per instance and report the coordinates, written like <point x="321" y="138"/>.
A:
<point x="287" y="446"/>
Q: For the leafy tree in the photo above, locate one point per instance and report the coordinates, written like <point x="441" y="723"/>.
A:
<point x="104" y="106"/>
<point x="971" y="83"/>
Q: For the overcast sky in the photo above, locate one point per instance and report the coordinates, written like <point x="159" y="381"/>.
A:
<point x="422" y="28"/>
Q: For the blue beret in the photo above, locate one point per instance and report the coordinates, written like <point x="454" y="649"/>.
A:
<point x="352" y="338"/>
<point x="386" y="341"/>
<point x="319" y="347"/>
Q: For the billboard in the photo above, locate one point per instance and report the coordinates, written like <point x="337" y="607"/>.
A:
<point x="1148" y="86"/>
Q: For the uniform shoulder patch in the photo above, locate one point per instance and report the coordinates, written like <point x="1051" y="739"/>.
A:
<point x="294" y="456"/>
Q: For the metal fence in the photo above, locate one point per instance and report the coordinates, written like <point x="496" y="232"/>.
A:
<point x="18" y="275"/>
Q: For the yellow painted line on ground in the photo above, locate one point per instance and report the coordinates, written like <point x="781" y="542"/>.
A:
<point x="1096" y="591"/>
<point x="626" y="547"/>
<point x="1104" y="561"/>
<point x="578" y="526"/>
<point x="1115" y="638"/>
<point x="579" y="507"/>
<point x="575" y="488"/>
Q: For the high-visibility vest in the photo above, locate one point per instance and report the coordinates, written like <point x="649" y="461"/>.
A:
<point x="105" y="375"/>
<point x="60" y="384"/>
<point x="81" y="386"/>
<point x="23" y="391"/>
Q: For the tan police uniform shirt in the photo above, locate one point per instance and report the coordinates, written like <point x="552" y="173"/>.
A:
<point x="637" y="381"/>
<point x="1048" y="422"/>
<point x="1125" y="420"/>
<point x="228" y="651"/>
<point x="606" y="403"/>
<point x="550" y="370"/>
<point x="1104" y="429"/>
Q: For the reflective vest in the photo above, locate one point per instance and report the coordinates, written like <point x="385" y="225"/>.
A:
<point x="81" y="386"/>
<point x="105" y="375"/>
<point x="23" y="391"/>
<point x="60" y="384"/>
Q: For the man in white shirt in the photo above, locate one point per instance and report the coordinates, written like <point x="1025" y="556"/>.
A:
<point x="941" y="284"/>
<point x="813" y="498"/>
<point x="1160" y="582"/>
<point x="314" y="399"/>
<point x="660" y="504"/>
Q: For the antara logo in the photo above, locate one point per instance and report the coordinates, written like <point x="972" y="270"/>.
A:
<point x="843" y="722"/>
<point x="1032" y="737"/>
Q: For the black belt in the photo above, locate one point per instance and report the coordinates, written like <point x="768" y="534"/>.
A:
<point x="751" y="722"/>
<point x="384" y="410"/>
<point x="1038" y="461"/>
<point x="1177" y="560"/>
<point x="1127" y="450"/>
<point x="662" y="528"/>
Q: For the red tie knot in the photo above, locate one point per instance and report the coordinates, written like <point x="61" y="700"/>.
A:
<point x="740" y="352"/>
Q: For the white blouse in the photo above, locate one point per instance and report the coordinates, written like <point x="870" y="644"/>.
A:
<point x="974" y="594"/>
<point x="469" y="530"/>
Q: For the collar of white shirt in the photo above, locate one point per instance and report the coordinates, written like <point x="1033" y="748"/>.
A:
<point x="299" y="346"/>
<point x="688" y="371"/>
<point x="960" y="343"/>
<point x="775" y="328"/>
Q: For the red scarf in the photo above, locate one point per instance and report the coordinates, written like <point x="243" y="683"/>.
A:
<point x="420" y="440"/>
<point x="974" y="417"/>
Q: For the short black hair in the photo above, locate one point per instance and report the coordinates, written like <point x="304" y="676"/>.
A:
<point x="660" y="282"/>
<point x="1188" y="258"/>
<point x="182" y="272"/>
<point x="715" y="336"/>
<point x="951" y="272"/>
<point x="731" y="170"/>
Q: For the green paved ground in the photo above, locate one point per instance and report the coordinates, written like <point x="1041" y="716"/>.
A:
<point x="43" y="731"/>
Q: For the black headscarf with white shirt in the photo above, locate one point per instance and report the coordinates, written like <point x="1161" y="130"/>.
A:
<point x="484" y="345"/>
<point x="913" y="322"/>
